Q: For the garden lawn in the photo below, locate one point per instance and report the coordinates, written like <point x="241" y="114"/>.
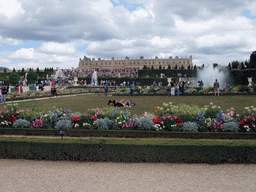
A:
<point x="82" y="103"/>
<point x="129" y="141"/>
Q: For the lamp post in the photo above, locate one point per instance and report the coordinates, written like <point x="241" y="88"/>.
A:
<point x="62" y="132"/>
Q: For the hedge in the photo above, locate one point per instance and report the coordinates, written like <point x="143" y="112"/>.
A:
<point x="128" y="134"/>
<point x="116" y="150"/>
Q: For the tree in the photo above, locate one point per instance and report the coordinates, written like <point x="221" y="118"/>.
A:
<point x="145" y="67"/>
<point x="247" y="64"/>
<point x="30" y="69"/>
<point x="229" y="66"/>
<point x="253" y="60"/>
<point x="242" y="65"/>
<point x="37" y="69"/>
<point x="14" y="78"/>
<point x="32" y="77"/>
<point x="22" y="69"/>
<point x="189" y="67"/>
<point x="152" y="67"/>
<point x="235" y="64"/>
<point x="13" y="70"/>
<point x="5" y="71"/>
<point x="160" y="67"/>
<point x="169" y="66"/>
<point x="176" y="67"/>
<point x="182" y="67"/>
<point x="195" y="67"/>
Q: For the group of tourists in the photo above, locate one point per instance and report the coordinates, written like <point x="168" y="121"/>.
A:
<point x="122" y="72"/>
<point x="180" y="88"/>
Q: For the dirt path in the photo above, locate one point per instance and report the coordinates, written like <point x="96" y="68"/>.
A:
<point x="29" y="175"/>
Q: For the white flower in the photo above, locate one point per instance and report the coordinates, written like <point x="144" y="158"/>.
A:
<point x="76" y="125"/>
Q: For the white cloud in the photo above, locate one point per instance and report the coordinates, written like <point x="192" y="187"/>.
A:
<point x="10" y="41"/>
<point x="11" y="8"/>
<point x="209" y="30"/>
<point x="59" y="48"/>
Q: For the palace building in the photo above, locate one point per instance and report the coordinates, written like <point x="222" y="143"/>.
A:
<point x="88" y="64"/>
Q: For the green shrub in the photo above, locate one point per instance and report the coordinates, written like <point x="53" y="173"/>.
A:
<point x="64" y="124"/>
<point x="21" y="123"/>
<point x="102" y="124"/>
<point x="190" y="126"/>
<point x="86" y="119"/>
<point x="29" y="115"/>
<point x="211" y="111"/>
<point x="145" y="123"/>
<point x="230" y="126"/>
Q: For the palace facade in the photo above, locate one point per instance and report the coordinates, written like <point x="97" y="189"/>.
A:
<point x="88" y="64"/>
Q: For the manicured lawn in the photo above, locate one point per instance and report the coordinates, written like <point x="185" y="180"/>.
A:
<point x="129" y="141"/>
<point x="82" y="103"/>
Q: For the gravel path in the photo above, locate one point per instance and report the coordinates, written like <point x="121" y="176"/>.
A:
<point x="29" y="175"/>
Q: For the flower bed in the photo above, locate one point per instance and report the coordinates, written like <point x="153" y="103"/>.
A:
<point x="182" y="118"/>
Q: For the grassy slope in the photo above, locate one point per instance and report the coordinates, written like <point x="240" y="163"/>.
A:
<point x="82" y="103"/>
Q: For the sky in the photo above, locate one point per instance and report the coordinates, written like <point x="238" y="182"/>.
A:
<point x="56" y="33"/>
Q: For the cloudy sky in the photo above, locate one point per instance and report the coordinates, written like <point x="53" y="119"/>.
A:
<point x="56" y="33"/>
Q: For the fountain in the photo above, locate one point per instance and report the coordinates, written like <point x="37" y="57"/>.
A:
<point x="59" y="74"/>
<point x="209" y="74"/>
<point x="94" y="81"/>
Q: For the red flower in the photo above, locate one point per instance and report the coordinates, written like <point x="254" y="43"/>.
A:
<point x="76" y="118"/>
<point x="95" y="118"/>
<point x="178" y="121"/>
<point x="13" y="119"/>
<point x="158" y="120"/>
<point x="244" y="122"/>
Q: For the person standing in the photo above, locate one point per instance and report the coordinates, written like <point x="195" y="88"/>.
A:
<point x="216" y="86"/>
<point x="183" y="88"/>
<point x="172" y="89"/>
<point x="178" y="88"/>
<point x="4" y="93"/>
<point x="16" y="88"/>
<point x="106" y="88"/>
<point x="21" y="90"/>
<point x="131" y="88"/>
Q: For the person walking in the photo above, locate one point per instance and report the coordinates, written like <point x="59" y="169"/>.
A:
<point x="216" y="86"/>
<point x="4" y="93"/>
<point x="131" y="88"/>
<point x="106" y="88"/>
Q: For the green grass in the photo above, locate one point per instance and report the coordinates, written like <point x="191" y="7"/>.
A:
<point x="127" y="141"/>
<point x="82" y="103"/>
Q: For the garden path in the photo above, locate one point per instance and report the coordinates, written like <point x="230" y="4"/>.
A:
<point x="30" y="175"/>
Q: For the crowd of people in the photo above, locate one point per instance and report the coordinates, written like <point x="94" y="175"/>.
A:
<point x="124" y="72"/>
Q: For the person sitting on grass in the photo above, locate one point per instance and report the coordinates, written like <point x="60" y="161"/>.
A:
<point x="120" y="103"/>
